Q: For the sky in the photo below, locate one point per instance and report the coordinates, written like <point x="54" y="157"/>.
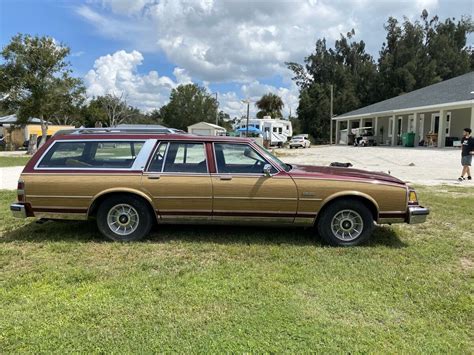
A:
<point x="235" y="48"/>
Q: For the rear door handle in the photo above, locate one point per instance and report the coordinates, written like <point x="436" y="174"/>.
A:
<point x="153" y="177"/>
<point x="226" y="177"/>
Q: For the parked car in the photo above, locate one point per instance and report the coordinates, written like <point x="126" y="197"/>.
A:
<point x="300" y="141"/>
<point x="129" y="181"/>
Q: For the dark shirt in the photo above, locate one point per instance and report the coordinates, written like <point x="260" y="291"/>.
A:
<point x="467" y="145"/>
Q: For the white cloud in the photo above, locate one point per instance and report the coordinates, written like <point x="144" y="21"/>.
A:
<point x="220" y="41"/>
<point x="117" y="73"/>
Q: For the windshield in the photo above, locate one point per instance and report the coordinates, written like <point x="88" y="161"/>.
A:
<point x="284" y="166"/>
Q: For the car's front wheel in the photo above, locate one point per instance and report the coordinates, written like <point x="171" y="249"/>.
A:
<point x="346" y="223"/>
<point x="124" y="218"/>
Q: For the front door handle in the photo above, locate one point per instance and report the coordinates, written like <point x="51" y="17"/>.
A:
<point x="226" y="177"/>
<point x="153" y="177"/>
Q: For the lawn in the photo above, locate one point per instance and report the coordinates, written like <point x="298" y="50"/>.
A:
<point x="63" y="288"/>
<point x="14" y="161"/>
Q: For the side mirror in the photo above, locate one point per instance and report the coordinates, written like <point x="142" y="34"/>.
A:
<point x="267" y="170"/>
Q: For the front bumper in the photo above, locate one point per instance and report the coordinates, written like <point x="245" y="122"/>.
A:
<point x="417" y="214"/>
<point x="18" y="210"/>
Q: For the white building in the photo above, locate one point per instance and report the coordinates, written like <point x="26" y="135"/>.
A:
<point x="206" y="129"/>
<point x="436" y="115"/>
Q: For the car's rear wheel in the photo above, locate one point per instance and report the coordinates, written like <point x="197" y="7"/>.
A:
<point x="346" y="223"/>
<point x="124" y="218"/>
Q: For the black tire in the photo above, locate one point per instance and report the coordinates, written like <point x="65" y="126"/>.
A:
<point x="139" y="208"/>
<point x="355" y="211"/>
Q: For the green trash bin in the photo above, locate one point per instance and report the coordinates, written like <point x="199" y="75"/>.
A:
<point x="408" y="139"/>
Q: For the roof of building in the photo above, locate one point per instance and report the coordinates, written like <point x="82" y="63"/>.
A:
<point x="460" y="88"/>
<point x="11" y="119"/>
<point x="208" y="124"/>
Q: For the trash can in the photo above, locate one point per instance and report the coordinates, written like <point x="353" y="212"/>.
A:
<point x="408" y="139"/>
<point x="350" y="139"/>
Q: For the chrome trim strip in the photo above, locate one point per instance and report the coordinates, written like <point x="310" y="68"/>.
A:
<point x="255" y="198"/>
<point x="37" y="167"/>
<point x="76" y="174"/>
<point x="255" y="212"/>
<point x="183" y="197"/>
<point x="60" y="208"/>
<point x="148" y="173"/>
<point x="56" y="196"/>
<point x="311" y="199"/>
<point x="253" y="220"/>
<point x="159" y="211"/>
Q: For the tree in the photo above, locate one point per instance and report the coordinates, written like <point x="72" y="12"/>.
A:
<point x="35" y="79"/>
<point x="116" y="109"/>
<point x="415" y="54"/>
<point x="348" y="67"/>
<point x="270" y="105"/>
<point x="189" y="104"/>
<point x="93" y="113"/>
<point x="421" y="53"/>
<point x="224" y="120"/>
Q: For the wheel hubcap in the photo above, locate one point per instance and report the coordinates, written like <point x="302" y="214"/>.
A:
<point x="347" y="225"/>
<point x="123" y="219"/>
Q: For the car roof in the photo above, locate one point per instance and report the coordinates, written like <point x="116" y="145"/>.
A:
<point x="165" y="136"/>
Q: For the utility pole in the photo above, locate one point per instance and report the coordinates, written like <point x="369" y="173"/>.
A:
<point x="331" y="114"/>
<point x="248" y="110"/>
<point x="217" y="110"/>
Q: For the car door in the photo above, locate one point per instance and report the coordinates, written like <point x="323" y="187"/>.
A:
<point x="179" y="182"/>
<point x="243" y="193"/>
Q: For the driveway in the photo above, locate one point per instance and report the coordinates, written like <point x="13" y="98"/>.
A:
<point x="424" y="166"/>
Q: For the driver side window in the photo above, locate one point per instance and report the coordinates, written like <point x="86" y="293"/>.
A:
<point x="238" y="159"/>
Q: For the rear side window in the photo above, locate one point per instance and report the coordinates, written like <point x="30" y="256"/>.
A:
<point x="185" y="158"/>
<point x="92" y="155"/>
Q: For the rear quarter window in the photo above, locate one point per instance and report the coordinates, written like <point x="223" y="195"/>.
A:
<point x="92" y="155"/>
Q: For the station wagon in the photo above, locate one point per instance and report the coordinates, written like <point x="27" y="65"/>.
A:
<point x="130" y="180"/>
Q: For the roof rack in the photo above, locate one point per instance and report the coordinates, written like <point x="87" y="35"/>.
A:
<point x="115" y="130"/>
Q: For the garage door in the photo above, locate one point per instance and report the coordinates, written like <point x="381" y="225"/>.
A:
<point x="201" y="132"/>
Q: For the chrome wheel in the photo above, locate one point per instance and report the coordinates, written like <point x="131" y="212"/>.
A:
<point x="347" y="225"/>
<point x="123" y="219"/>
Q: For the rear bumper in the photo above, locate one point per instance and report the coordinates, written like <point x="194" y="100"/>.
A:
<point x="417" y="214"/>
<point x="18" y="210"/>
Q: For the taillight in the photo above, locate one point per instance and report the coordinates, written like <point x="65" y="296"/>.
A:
<point x="21" y="191"/>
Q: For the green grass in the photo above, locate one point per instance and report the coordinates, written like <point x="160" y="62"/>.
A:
<point x="14" y="161"/>
<point x="63" y="288"/>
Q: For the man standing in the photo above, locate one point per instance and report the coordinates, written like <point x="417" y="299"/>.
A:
<point x="467" y="144"/>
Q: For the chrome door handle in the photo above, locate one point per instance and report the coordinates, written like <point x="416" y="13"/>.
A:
<point x="225" y="177"/>
<point x="153" y="177"/>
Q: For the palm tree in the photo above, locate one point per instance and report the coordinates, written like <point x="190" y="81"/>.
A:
<point x="270" y="105"/>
